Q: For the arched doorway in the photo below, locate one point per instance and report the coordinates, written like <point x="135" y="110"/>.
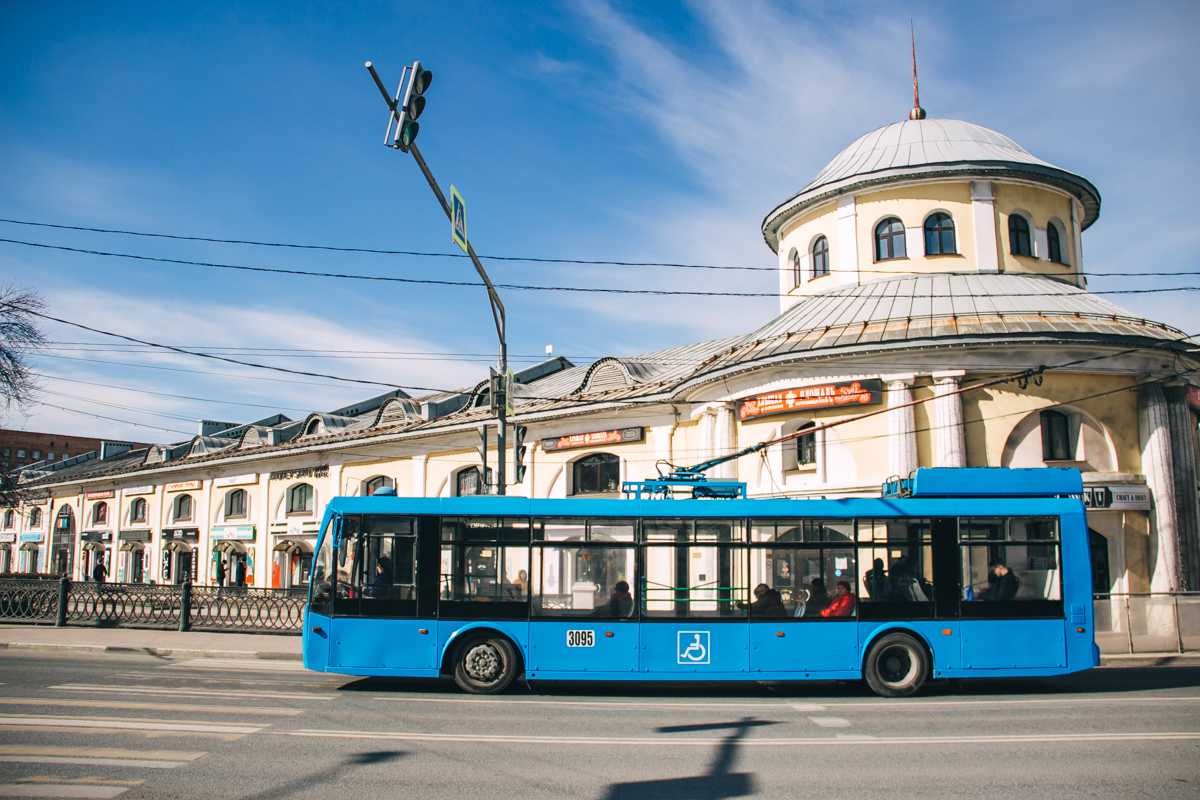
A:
<point x="62" y="543"/>
<point x="133" y="563"/>
<point x="94" y="553"/>
<point x="178" y="564"/>
<point x="29" y="557"/>
<point x="238" y="562"/>
<point x="292" y="564"/>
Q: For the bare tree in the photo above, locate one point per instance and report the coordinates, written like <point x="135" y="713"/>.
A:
<point x="20" y="338"/>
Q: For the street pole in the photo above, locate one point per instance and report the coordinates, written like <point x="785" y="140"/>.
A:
<point x="494" y="299"/>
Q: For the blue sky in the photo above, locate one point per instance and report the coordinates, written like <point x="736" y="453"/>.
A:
<point x="588" y="130"/>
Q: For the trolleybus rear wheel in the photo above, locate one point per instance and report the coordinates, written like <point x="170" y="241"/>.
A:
<point x="485" y="664"/>
<point x="897" y="666"/>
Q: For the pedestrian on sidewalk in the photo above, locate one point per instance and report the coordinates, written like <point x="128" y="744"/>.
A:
<point x="99" y="572"/>
<point x="221" y="574"/>
<point x="240" y="572"/>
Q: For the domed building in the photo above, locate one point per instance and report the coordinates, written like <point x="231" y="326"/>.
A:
<point x="926" y="258"/>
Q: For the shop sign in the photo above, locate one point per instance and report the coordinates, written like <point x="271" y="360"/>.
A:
<point x="241" y="533"/>
<point x="237" y="480"/>
<point x="184" y="486"/>
<point x="593" y="438"/>
<point x="1116" y="498"/>
<point x="132" y="490"/>
<point x="807" y="398"/>
<point x="96" y="536"/>
<point x="99" y="495"/>
<point x="31" y="537"/>
<point x="135" y="536"/>
<point x="7" y="538"/>
<point x="181" y="535"/>
<point x="307" y="472"/>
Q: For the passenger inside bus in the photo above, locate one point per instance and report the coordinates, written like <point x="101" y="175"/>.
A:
<point x="843" y="602"/>
<point x="767" y="602"/>
<point x="620" y="602"/>
<point x="818" y="598"/>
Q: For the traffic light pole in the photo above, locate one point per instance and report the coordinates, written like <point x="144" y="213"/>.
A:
<point x="398" y="111"/>
<point x="499" y="318"/>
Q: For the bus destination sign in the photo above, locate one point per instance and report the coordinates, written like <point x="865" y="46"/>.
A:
<point x="829" y="395"/>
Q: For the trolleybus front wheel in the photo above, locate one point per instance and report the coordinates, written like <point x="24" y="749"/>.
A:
<point x="897" y="666"/>
<point x="485" y="664"/>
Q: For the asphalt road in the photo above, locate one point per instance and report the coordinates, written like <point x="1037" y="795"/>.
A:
<point x="137" y="726"/>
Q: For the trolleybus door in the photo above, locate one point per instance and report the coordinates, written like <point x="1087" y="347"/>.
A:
<point x="375" y="624"/>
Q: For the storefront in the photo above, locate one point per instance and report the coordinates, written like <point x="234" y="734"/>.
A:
<point x="30" y="544"/>
<point x="96" y="551"/>
<point x="292" y="564"/>
<point x="132" y="558"/>
<point x="7" y="543"/>
<point x="62" y="546"/>
<point x="233" y="545"/>
<point x="179" y="564"/>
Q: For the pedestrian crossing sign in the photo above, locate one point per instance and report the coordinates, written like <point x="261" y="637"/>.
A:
<point x="458" y="218"/>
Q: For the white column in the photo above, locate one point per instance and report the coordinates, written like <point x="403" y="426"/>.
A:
<point x="819" y="439"/>
<point x="662" y="435"/>
<point x="707" y="423"/>
<point x="1155" y="435"/>
<point x="725" y="442"/>
<point x="983" y="215"/>
<point x="418" y="476"/>
<point x="949" y="434"/>
<point x="847" y="239"/>
<point x="902" y="436"/>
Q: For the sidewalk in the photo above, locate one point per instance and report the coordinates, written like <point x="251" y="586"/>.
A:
<point x="158" y="643"/>
<point x="1190" y="659"/>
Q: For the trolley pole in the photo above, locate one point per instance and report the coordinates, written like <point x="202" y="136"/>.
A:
<point x="403" y="112"/>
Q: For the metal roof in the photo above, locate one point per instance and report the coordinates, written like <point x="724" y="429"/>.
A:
<point x="912" y="149"/>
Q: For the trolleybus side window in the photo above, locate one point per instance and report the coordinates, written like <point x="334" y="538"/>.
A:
<point x="896" y="567"/>
<point x="348" y="554"/>
<point x="385" y="575"/>
<point x="802" y="569"/>
<point x="322" y="585"/>
<point x="584" y="567"/>
<point x="485" y="559"/>
<point x="1011" y="566"/>
<point x="695" y="568"/>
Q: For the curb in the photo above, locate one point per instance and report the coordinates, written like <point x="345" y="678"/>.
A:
<point x="1150" y="660"/>
<point x="161" y="652"/>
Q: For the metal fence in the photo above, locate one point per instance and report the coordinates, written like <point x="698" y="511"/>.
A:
<point x="150" y="606"/>
<point x="1147" y="622"/>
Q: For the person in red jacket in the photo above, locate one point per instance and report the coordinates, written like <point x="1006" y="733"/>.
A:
<point x="843" y="602"/>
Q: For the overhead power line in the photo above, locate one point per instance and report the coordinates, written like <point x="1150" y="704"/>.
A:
<point x="511" y="286"/>
<point x="530" y="259"/>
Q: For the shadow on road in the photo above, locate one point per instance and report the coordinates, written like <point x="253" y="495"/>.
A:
<point x="326" y="776"/>
<point x="1096" y="681"/>
<point x="718" y="782"/>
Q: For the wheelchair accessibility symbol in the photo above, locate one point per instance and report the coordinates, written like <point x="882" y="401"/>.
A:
<point x="691" y="647"/>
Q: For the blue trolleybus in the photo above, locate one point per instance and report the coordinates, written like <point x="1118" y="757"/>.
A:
<point x="956" y="573"/>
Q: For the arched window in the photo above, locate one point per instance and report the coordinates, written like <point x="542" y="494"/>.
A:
<point x="183" y="507"/>
<point x="889" y="239"/>
<point x="1018" y="236"/>
<point x="137" y="510"/>
<point x="1053" y="244"/>
<point x="8" y="518"/>
<point x="939" y="235"/>
<point x="806" y="446"/>
<point x="313" y="428"/>
<point x="100" y="514"/>
<point x="469" y="482"/>
<point x="820" y="257"/>
<point x="377" y="483"/>
<point x="796" y="268"/>
<point x="300" y="499"/>
<point x="599" y="473"/>
<point x="35" y="518"/>
<point x="1056" y="436"/>
<point x="235" y="503"/>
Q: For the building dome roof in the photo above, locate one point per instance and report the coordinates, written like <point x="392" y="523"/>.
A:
<point x="919" y="148"/>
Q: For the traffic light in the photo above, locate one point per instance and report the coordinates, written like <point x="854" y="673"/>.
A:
<point x="411" y="106"/>
<point x="519" y="449"/>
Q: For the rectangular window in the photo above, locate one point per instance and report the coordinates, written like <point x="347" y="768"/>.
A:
<point x="485" y="559"/>
<point x="695" y="581"/>
<point x="20" y="454"/>
<point x="321" y="600"/>
<point x="812" y="583"/>
<point x="896" y="563"/>
<point x="585" y="581"/>
<point x="1011" y="566"/>
<point x="50" y="456"/>
<point x="578" y="530"/>
<point x="377" y="575"/>
<point x="802" y="530"/>
<point x="37" y="454"/>
<point x="693" y="530"/>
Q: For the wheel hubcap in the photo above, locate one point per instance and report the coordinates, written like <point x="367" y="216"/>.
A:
<point x="896" y="665"/>
<point x="482" y="662"/>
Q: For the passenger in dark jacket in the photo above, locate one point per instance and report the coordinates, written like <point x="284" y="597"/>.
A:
<point x="382" y="585"/>
<point x="767" y="602"/>
<point x="619" y="604"/>
<point x="818" y="598"/>
<point x="1002" y="584"/>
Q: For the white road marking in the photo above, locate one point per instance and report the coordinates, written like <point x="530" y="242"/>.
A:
<point x="96" y="762"/>
<point x="759" y="742"/>
<point x="831" y="722"/>
<point x="87" y="687"/>
<point x="101" y="752"/>
<point x="806" y="707"/>
<point x="899" y="703"/>
<point x="124" y="724"/>
<point x="124" y="704"/>
<point x="60" y="790"/>
<point x="238" y="665"/>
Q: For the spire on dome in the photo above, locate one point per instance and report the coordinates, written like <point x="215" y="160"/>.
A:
<point x="917" y="112"/>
